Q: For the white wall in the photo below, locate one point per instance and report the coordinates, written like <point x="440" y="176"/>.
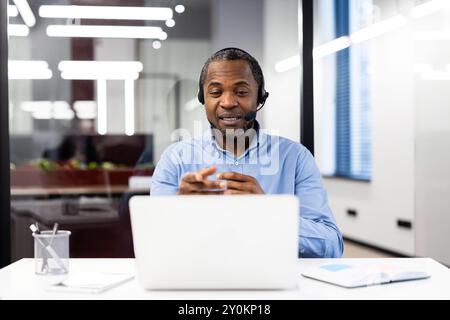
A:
<point x="411" y="144"/>
<point x="115" y="50"/>
<point x="282" y="111"/>
<point x="432" y="172"/>
<point x="238" y="23"/>
<point x="390" y="194"/>
<point x="156" y="91"/>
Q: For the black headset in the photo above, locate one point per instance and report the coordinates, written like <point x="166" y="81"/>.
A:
<point x="262" y="93"/>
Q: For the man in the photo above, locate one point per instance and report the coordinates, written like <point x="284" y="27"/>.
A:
<point x="243" y="159"/>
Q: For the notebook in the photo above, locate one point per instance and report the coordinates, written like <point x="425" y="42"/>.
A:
<point x="352" y="276"/>
<point x="90" y="282"/>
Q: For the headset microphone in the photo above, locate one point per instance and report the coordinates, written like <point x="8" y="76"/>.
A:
<point x="250" y="116"/>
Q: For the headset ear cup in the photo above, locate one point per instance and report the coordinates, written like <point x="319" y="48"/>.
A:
<point x="262" y="97"/>
<point x="200" y="96"/>
<point x="266" y="95"/>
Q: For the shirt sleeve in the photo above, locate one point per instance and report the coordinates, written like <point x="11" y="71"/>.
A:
<point x="165" y="179"/>
<point x="319" y="235"/>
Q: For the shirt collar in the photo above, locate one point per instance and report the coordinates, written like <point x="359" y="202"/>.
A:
<point x="255" y="143"/>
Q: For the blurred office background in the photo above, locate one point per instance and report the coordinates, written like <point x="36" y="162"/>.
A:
<point x="96" y="93"/>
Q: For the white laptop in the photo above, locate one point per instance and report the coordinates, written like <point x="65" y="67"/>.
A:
<point x="216" y="242"/>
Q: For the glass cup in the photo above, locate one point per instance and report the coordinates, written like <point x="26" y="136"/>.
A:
<point x="51" y="254"/>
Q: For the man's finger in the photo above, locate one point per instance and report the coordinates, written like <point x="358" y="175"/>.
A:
<point x="191" y="177"/>
<point x="235" y="192"/>
<point x="200" y="175"/>
<point x="207" y="171"/>
<point x="214" y="184"/>
<point x="203" y="186"/>
<point x="234" y="176"/>
<point x="237" y="185"/>
<point x="188" y="188"/>
<point x="208" y="185"/>
<point x="201" y="193"/>
<point x="210" y="193"/>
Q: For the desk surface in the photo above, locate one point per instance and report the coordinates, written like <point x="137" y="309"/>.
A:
<point x="19" y="282"/>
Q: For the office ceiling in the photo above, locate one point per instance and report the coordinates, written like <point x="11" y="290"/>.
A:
<point x="194" y="23"/>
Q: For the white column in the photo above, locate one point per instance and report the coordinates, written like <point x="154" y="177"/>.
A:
<point x="101" y="105"/>
<point x="129" y="107"/>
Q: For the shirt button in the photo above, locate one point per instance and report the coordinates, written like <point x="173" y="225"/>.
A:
<point x="236" y="163"/>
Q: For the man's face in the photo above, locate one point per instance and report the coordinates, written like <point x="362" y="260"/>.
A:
<point x="231" y="92"/>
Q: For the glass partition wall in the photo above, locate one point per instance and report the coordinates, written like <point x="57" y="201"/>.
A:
<point x="99" y="88"/>
<point x="96" y="89"/>
<point x="383" y="118"/>
<point x="375" y="61"/>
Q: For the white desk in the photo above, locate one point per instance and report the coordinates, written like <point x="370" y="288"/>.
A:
<point x="17" y="281"/>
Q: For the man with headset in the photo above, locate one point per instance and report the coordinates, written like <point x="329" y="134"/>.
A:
<point x="242" y="157"/>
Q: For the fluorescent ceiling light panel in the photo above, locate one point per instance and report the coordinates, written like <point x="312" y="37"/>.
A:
<point x="359" y="36"/>
<point x="436" y="76"/>
<point x="48" y="109"/>
<point x="378" y="29"/>
<point x="44" y="112"/>
<point x="101" y="66"/>
<point x="101" y="110"/>
<point x="163" y="36"/>
<point x="331" y="47"/>
<point x="25" y="11"/>
<point x="288" y="64"/>
<point x="342" y="43"/>
<point x="156" y="44"/>
<point x="86" y="31"/>
<point x="95" y="70"/>
<point x="12" y="11"/>
<point x="170" y="23"/>
<point x="31" y="106"/>
<point x="432" y="35"/>
<point x="61" y="110"/>
<point x="30" y="75"/>
<point x="85" y="109"/>
<point x="24" y="69"/>
<point x="106" y="12"/>
<point x="67" y="75"/>
<point x="27" y="64"/>
<point x="18" y="30"/>
<point x="428" y="7"/>
<point x="179" y="8"/>
<point x="129" y="107"/>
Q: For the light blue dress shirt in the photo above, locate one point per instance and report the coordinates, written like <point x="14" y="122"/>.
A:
<point x="280" y="165"/>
